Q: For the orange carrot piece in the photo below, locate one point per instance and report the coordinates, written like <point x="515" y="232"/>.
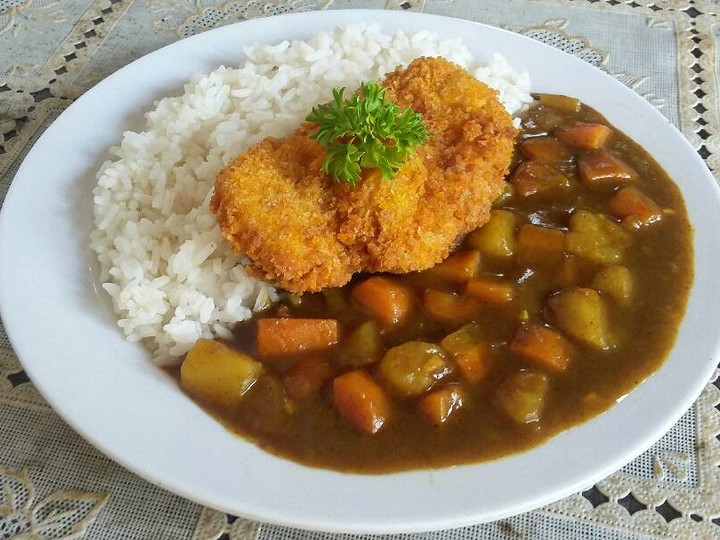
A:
<point x="285" y="337"/>
<point x="635" y="208"/>
<point x="584" y="135"/>
<point x="439" y="405"/>
<point x="540" y="245"/>
<point x="360" y="401"/>
<point x="384" y="299"/>
<point x="545" y="150"/>
<point x="306" y="377"/>
<point x="542" y="346"/>
<point x="460" y="266"/>
<point x="603" y="169"/>
<point x="496" y="293"/>
<point x="533" y="177"/>
<point x="448" y="307"/>
<point x="470" y="354"/>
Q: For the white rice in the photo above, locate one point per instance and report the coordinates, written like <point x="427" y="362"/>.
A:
<point x="171" y="277"/>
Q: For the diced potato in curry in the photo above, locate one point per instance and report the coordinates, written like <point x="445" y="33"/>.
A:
<point x="217" y="374"/>
<point x="635" y="208"/>
<point x="602" y="169"/>
<point x="413" y="368"/>
<point x="596" y="238"/>
<point x="581" y="313"/>
<point x="495" y="239"/>
<point x="383" y="298"/>
<point x="469" y="351"/>
<point x="362" y="346"/>
<point x="521" y="396"/>
<point x="439" y="405"/>
<point x="542" y="346"/>
<point x="360" y="401"/>
<point x="533" y="177"/>
<point x="560" y="103"/>
<point x="615" y="281"/>
<point x="289" y="336"/>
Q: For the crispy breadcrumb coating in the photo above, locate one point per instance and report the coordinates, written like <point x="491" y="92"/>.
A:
<point x="305" y="232"/>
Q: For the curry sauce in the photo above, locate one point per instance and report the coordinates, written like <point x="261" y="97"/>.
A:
<point x="578" y="248"/>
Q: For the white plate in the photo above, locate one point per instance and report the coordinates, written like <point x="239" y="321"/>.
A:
<point x="108" y="390"/>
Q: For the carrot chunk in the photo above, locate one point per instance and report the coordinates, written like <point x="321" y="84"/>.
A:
<point x="460" y="267"/>
<point x="448" y="307"/>
<point x="584" y="135"/>
<point x="545" y="150"/>
<point x="306" y="377"/>
<point x="360" y="401"/>
<point x="384" y="299"/>
<point x="533" y="177"/>
<point x="542" y="346"/>
<point x="285" y="337"/>
<point x="439" y="405"/>
<point x="540" y="245"/>
<point x="603" y="169"/>
<point x="635" y="208"/>
<point x="494" y="292"/>
<point x="469" y="352"/>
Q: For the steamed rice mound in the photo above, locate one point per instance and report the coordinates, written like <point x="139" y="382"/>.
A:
<point x="163" y="260"/>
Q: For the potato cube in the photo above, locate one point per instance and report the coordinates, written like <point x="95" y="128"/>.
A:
<point x="560" y="103"/>
<point x="495" y="239"/>
<point x="581" y="314"/>
<point x="363" y="346"/>
<point x="217" y="374"/>
<point x="521" y="396"/>
<point x="635" y="208"/>
<point x="616" y="282"/>
<point x="601" y="169"/>
<point x="596" y="238"/>
<point x="540" y="246"/>
<point x="414" y="367"/>
<point x="541" y="346"/>
<point x="439" y="405"/>
<point x="532" y="177"/>
<point x="584" y="135"/>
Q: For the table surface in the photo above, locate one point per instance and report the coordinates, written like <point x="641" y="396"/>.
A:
<point x="54" y="485"/>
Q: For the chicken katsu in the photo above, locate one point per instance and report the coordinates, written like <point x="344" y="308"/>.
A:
<point x="305" y="232"/>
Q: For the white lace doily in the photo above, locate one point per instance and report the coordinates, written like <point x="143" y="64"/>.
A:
<point x="54" y="485"/>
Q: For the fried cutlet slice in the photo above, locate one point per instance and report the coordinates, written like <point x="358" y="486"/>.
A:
<point x="305" y="232"/>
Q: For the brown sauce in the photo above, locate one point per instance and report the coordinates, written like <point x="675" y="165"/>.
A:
<point x="659" y="259"/>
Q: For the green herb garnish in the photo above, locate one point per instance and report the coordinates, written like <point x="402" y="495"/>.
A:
<point x="365" y="132"/>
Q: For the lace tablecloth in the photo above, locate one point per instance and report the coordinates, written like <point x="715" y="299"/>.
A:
<point x="55" y="485"/>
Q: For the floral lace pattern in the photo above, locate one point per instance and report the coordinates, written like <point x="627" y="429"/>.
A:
<point x="61" y="515"/>
<point x="673" y="490"/>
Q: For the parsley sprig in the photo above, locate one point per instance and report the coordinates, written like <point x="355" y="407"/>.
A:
<point x="365" y="132"/>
